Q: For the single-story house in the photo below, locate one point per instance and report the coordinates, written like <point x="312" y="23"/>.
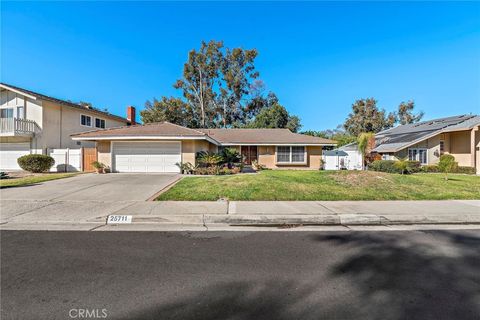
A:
<point x="157" y="147"/>
<point x="346" y="157"/>
<point x="426" y="141"/>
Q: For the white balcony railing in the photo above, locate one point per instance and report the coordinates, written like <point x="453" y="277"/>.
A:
<point x="13" y="126"/>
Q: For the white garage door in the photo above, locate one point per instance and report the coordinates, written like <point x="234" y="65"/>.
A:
<point x="146" y="156"/>
<point x="10" y="152"/>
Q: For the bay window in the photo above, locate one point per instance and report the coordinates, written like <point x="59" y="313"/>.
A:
<point x="291" y="154"/>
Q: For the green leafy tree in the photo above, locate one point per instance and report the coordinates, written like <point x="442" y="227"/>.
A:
<point x="367" y="117"/>
<point x="275" y="116"/>
<point x="173" y="110"/>
<point x="366" y="143"/>
<point x="339" y="135"/>
<point x="405" y="113"/>
<point x="200" y="74"/>
<point x="447" y="164"/>
<point x="237" y="72"/>
<point x="220" y="88"/>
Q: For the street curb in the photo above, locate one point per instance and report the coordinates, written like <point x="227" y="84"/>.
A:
<point x="306" y="219"/>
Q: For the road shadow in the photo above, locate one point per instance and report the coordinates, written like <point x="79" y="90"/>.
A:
<point x="233" y="300"/>
<point x="412" y="277"/>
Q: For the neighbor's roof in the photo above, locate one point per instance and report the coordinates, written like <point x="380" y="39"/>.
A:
<point x="398" y="138"/>
<point x="263" y="136"/>
<point x="36" y="95"/>
<point x="336" y="152"/>
<point x="217" y="136"/>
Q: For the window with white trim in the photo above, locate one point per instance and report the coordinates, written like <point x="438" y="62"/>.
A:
<point x="418" y="154"/>
<point x="85" y="120"/>
<point x="291" y="154"/>
<point x="283" y="154"/>
<point x="99" y="123"/>
<point x="298" y="154"/>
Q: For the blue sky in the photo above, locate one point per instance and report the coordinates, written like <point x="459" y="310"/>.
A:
<point x="318" y="57"/>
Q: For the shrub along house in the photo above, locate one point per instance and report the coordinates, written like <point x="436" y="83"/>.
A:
<point x="426" y="141"/>
<point x="157" y="147"/>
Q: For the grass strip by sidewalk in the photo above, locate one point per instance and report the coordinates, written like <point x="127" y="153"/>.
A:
<point x="34" y="179"/>
<point x="325" y="185"/>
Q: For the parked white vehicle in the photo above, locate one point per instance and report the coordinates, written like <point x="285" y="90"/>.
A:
<point x="344" y="158"/>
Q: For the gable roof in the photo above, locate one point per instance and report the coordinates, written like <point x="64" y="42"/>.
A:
<point x="263" y="136"/>
<point x="398" y="138"/>
<point x="35" y="95"/>
<point x="167" y="130"/>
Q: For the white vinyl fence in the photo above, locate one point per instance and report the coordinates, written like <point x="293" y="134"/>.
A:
<point x="66" y="160"/>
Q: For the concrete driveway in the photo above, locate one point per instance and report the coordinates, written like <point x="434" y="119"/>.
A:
<point x="94" y="187"/>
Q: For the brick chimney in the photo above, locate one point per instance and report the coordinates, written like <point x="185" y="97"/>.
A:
<point x="131" y="115"/>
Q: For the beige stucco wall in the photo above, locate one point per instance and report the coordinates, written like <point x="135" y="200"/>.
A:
<point x="103" y="153"/>
<point x="59" y="122"/>
<point x="460" y="147"/>
<point x="191" y="147"/>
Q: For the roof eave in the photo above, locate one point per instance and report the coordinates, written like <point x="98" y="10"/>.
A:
<point x="140" y="137"/>
<point x="275" y="144"/>
<point x="18" y="91"/>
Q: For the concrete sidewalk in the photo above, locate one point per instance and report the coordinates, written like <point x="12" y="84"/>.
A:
<point x="88" y="215"/>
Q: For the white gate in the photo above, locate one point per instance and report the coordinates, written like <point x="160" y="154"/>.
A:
<point x="66" y="160"/>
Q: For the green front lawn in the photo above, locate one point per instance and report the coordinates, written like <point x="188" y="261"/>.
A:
<point x="34" y="179"/>
<point x="325" y="185"/>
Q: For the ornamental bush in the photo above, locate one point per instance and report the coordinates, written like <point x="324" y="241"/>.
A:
<point x="383" y="166"/>
<point x="391" y="166"/>
<point x="464" y="169"/>
<point x="35" y="162"/>
<point x="447" y="164"/>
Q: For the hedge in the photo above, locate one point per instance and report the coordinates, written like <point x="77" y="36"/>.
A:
<point x="459" y="169"/>
<point x="36" y="162"/>
<point x="389" y="166"/>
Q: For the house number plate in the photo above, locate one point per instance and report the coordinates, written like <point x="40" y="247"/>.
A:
<point x="115" y="219"/>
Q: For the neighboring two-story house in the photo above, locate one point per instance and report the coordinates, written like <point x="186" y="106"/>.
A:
<point x="35" y="123"/>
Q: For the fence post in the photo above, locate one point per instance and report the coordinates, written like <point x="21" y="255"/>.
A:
<point x="81" y="159"/>
<point x="67" y="155"/>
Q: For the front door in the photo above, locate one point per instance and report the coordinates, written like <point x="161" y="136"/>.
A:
<point x="249" y="154"/>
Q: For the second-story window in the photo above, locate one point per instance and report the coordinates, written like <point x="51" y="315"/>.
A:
<point x="85" y="120"/>
<point x="99" y="123"/>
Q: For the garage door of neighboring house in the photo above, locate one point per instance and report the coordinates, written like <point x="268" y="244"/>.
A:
<point x="146" y="156"/>
<point x="10" y="152"/>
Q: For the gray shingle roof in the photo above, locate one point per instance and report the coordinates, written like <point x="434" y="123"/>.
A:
<point x="263" y="136"/>
<point x="222" y="136"/>
<point x="400" y="137"/>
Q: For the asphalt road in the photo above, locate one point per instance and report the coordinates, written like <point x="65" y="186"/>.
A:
<point x="240" y="275"/>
